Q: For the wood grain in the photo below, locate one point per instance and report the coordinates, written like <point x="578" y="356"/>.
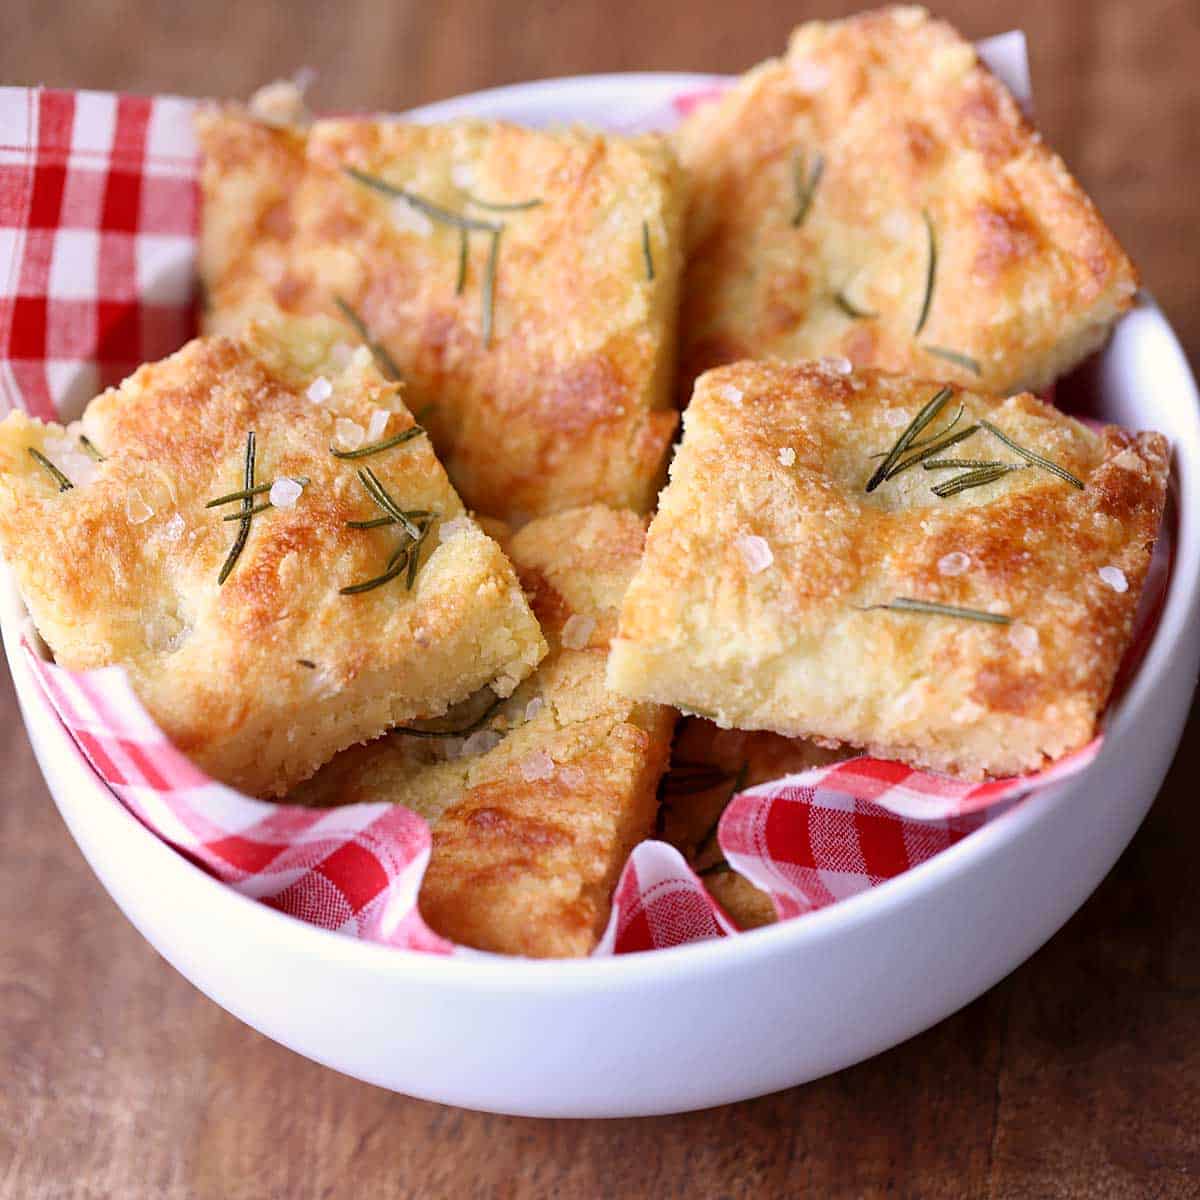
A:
<point x="1078" y="1076"/>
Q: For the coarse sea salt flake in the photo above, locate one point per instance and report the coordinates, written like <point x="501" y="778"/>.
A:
<point x="954" y="563"/>
<point x="755" y="552"/>
<point x="787" y="455"/>
<point x="319" y="390"/>
<point x="1024" y="638"/>
<point x="534" y="707"/>
<point x="577" y="631"/>
<point x="729" y="392"/>
<point x="173" y="529"/>
<point x="377" y="424"/>
<point x="538" y="765"/>
<point x="284" y="492"/>
<point x="448" y="530"/>
<point x="137" y="511"/>
<point x="895" y="417"/>
<point x="837" y="364"/>
<point x="1115" y="578"/>
<point x="348" y="434"/>
<point x="571" y="776"/>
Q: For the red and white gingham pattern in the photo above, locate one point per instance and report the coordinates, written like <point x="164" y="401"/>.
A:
<point x="98" y="212"/>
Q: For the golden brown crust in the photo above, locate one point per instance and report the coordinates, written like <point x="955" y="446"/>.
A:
<point x="707" y="764"/>
<point x="571" y="402"/>
<point x="906" y="120"/>
<point x="530" y="830"/>
<point x="794" y="647"/>
<point x="124" y="567"/>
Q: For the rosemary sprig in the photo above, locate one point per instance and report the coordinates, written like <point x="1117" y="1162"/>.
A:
<point x="1036" y="459"/>
<point x="463" y="253"/>
<point x="413" y="431"/>
<point x="243" y="532"/>
<point x="905" y="605"/>
<point x="414" y="514"/>
<point x="478" y="723"/>
<point x="933" y="437"/>
<point x="498" y="206"/>
<point x="89" y="448"/>
<point x="931" y="448"/>
<point x="955" y="356"/>
<point x="383" y="360"/>
<point x="974" y="479"/>
<point x="394" y="568"/>
<point x="489" y="287"/>
<point x="905" y="440"/>
<point x="946" y="464"/>
<point x="646" y="254"/>
<point x="434" y="212"/>
<point x="242" y="514"/>
<point x="383" y="498"/>
<point x="930" y="273"/>
<point x="257" y="490"/>
<point x="64" y="484"/>
<point x="851" y="309"/>
<point x="805" y="184"/>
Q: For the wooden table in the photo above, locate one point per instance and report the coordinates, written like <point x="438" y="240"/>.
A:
<point x="1077" y="1076"/>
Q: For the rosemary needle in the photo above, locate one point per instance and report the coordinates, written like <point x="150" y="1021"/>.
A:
<point x="955" y="356"/>
<point x="905" y="440"/>
<point x="380" y="495"/>
<point x="946" y="464"/>
<point x="851" y="309"/>
<point x="930" y="273"/>
<point x="463" y="253"/>
<point x="904" y="604"/>
<point x="646" y="254"/>
<point x="931" y="448"/>
<point x="1036" y="459"/>
<point x="411" y="432"/>
<point x="434" y="212"/>
<point x="383" y="360"/>
<point x="489" y="287"/>
<point x="64" y="484"/>
<point x="90" y="447"/>
<point x="933" y="437"/>
<point x="498" y="206"/>
<point x="257" y="490"/>
<point x="805" y="185"/>
<point x="974" y="479"/>
<point x="243" y="532"/>
<point x="248" y="512"/>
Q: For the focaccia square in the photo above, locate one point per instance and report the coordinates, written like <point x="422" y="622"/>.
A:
<point x="536" y="804"/>
<point x="523" y="282"/>
<point x="258" y="665"/>
<point x="877" y="194"/>
<point x="758" y="601"/>
<point x="708" y="767"/>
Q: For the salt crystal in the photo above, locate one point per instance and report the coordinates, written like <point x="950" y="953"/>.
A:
<point x="448" y="530"/>
<point x="534" y="707"/>
<point x="755" y="551"/>
<point x="837" y="364"/>
<point x="577" y="631"/>
<point x="377" y="424"/>
<point x="410" y="220"/>
<point x="1024" y="638"/>
<point x="571" y="776"/>
<point x="480" y="742"/>
<point x="954" y="563"/>
<point x="1115" y="578"/>
<point x="729" y="392"/>
<point x="895" y="417"/>
<point x="319" y="390"/>
<point x="137" y="511"/>
<point x="284" y="492"/>
<point x="173" y="529"/>
<point x="349" y="435"/>
<point x="538" y="765"/>
<point x="787" y="456"/>
<point x="809" y="77"/>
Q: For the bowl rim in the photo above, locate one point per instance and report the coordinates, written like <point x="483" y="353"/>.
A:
<point x="486" y="970"/>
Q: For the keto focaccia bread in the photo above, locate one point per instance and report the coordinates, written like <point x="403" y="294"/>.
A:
<point x="524" y="283"/>
<point x="536" y="808"/>
<point x="256" y="664"/>
<point x="708" y="766"/>
<point x="877" y="194"/>
<point x="777" y="544"/>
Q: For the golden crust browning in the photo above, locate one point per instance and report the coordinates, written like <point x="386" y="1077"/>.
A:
<point x="905" y="121"/>
<point x="533" y="817"/>
<point x="571" y="402"/>
<point x="123" y="568"/>
<point x="794" y="647"/>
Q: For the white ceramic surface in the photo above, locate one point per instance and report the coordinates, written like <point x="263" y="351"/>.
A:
<point x="702" y="1024"/>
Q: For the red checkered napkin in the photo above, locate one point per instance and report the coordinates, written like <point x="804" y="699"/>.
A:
<point x="98" y="211"/>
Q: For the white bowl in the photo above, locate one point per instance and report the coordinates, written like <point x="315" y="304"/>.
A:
<point x="701" y="1024"/>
